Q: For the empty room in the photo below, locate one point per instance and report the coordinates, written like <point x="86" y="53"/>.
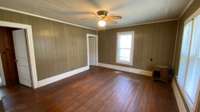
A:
<point x="99" y="55"/>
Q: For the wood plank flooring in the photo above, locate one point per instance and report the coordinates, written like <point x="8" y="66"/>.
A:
<point x="96" y="90"/>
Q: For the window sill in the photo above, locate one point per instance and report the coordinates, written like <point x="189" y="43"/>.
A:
<point x="124" y="63"/>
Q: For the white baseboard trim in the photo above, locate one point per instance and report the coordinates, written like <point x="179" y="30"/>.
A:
<point x="126" y="69"/>
<point x="178" y="97"/>
<point x="56" y="78"/>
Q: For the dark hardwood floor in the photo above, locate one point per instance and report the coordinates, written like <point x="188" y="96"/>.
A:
<point x="96" y="90"/>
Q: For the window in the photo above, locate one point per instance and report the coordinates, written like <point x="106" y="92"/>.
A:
<point x="189" y="66"/>
<point x="184" y="53"/>
<point x="125" y="48"/>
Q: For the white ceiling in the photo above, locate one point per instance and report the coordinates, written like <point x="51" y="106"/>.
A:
<point x="79" y="11"/>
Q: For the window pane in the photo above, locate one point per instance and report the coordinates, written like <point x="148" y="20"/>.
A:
<point x="124" y="47"/>
<point x="125" y="40"/>
<point x="193" y="74"/>
<point x="124" y="54"/>
<point x="184" y="53"/>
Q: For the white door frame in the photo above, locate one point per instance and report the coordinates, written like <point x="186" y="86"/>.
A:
<point x="29" y="36"/>
<point x="88" y="48"/>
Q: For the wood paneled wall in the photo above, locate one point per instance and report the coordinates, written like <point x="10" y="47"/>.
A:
<point x="152" y="41"/>
<point x="58" y="47"/>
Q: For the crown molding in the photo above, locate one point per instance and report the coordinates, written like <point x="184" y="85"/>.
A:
<point x="47" y="18"/>
<point x="186" y="8"/>
<point x="90" y="28"/>
<point x="147" y="23"/>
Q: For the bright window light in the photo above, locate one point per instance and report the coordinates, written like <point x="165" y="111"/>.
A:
<point x="125" y="48"/>
<point x="189" y="65"/>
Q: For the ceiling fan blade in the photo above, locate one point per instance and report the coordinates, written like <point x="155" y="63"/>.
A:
<point x="112" y="18"/>
<point x="112" y="21"/>
<point x="87" y="18"/>
<point x="116" y="17"/>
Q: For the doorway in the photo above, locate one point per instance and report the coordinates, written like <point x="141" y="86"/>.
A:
<point x="30" y="46"/>
<point x="14" y="61"/>
<point x="92" y="49"/>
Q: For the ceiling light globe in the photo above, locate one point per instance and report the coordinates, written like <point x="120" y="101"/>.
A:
<point x="102" y="23"/>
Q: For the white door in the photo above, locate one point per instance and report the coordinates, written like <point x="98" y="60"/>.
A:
<point x="19" y="38"/>
<point x="92" y="51"/>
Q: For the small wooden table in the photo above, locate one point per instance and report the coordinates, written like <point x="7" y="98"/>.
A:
<point x="162" y="73"/>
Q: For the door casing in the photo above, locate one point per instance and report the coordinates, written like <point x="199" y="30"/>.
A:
<point x="30" y="45"/>
<point x="88" y="49"/>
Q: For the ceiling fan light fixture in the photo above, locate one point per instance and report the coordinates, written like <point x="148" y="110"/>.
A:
<point x="101" y="23"/>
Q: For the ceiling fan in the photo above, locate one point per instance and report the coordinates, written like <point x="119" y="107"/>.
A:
<point x="104" y="18"/>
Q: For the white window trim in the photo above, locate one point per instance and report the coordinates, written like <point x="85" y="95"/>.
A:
<point x="184" y="93"/>
<point x="132" y="48"/>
